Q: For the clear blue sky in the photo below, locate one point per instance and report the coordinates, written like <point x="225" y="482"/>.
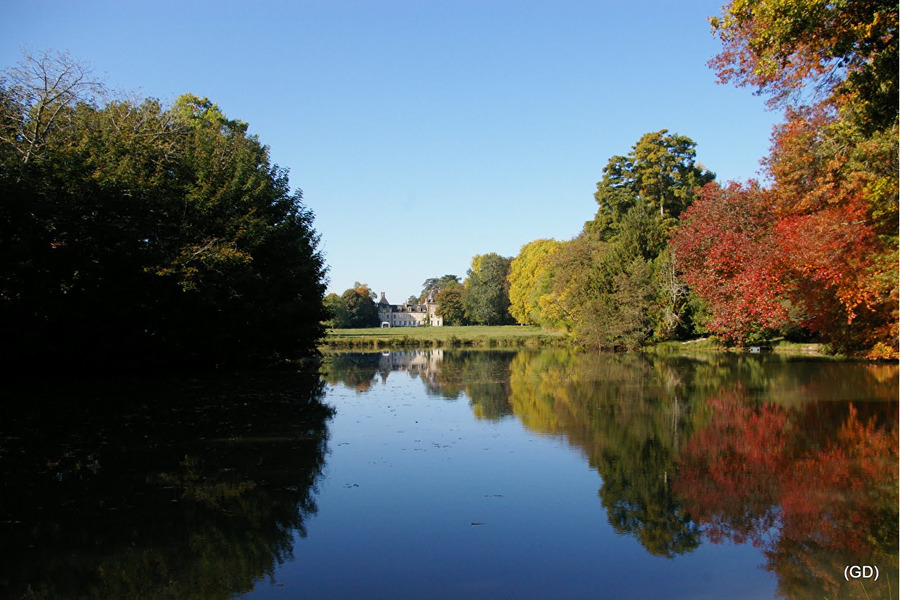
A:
<point x="423" y="132"/>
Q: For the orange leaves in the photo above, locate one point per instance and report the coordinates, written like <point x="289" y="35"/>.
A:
<point x="747" y="472"/>
<point x="833" y="65"/>
<point x="781" y="47"/>
<point x="818" y="241"/>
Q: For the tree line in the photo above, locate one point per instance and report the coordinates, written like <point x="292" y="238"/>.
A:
<point x="812" y="255"/>
<point x="481" y="299"/>
<point x="673" y="254"/>
<point x="132" y="232"/>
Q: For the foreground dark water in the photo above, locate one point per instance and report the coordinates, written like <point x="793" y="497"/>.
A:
<point x="458" y="474"/>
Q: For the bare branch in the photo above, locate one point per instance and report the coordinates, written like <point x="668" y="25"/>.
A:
<point x="36" y="94"/>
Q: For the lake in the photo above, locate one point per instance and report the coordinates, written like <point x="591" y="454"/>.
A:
<point x="458" y="474"/>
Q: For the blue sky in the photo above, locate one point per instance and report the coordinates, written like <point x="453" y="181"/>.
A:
<point x="425" y="132"/>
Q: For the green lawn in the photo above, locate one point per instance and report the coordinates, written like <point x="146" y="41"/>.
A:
<point x="475" y="335"/>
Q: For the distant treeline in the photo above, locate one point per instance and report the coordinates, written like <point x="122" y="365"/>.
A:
<point x="135" y="233"/>
<point x="483" y="299"/>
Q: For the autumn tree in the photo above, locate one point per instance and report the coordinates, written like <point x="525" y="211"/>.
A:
<point x="834" y="68"/>
<point x="838" y="227"/>
<point x="729" y="251"/>
<point x="529" y="281"/>
<point x="799" y="51"/>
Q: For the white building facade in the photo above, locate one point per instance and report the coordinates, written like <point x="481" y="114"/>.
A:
<point x="409" y="315"/>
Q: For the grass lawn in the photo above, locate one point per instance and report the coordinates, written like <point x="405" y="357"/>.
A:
<point x="473" y="335"/>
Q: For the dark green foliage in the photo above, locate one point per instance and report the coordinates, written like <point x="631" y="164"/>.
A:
<point x="487" y="290"/>
<point x="629" y="288"/>
<point x="135" y="233"/>
<point x="436" y="284"/>
<point x="622" y="318"/>
<point x="356" y="308"/>
<point x="451" y="307"/>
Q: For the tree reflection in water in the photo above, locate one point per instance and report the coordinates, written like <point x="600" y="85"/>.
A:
<point x="798" y="458"/>
<point x="176" y="488"/>
<point x="628" y="418"/>
<point x="482" y="376"/>
<point x="814" y="487"/>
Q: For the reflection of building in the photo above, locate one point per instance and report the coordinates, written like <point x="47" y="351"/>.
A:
<point x="409" y="315"/>
<point x="418" y="363"/>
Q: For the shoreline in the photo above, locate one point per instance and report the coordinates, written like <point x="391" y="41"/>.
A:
<point x="519" y="336"/>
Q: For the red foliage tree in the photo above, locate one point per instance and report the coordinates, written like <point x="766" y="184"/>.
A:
<point x="836" y="199"/>
<point x="727" y="249"/>
<point x="834" y="162"/>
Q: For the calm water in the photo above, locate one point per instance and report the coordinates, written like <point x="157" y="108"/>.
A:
<point x="442" y="474"/>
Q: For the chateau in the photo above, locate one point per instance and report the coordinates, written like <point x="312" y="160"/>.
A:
<point x="409" y="315"/>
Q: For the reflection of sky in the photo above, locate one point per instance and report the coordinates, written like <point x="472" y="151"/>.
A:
<point x="420" y="499"/>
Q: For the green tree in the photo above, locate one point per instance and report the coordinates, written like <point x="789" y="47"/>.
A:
<point x="451" y="307"/>
<point x="618" y="292"/>
<point x="571" y="285"/>
<point x="359" y="303"/>
<point x="436" y="284"/>
<point x="487" y="290"/>
<point x="336" y="310"/>
<point x="134" y="232"/>
<point x="660" y="173"/>
<point x="622" y="318"/>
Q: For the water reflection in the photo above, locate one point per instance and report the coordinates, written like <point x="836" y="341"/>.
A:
<point x="798" y="458"/>
<point x="629" y="418"/>
<point x="182" y="488"/>
<point x="814" y="487"/>
<point x="483" y="377"/>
